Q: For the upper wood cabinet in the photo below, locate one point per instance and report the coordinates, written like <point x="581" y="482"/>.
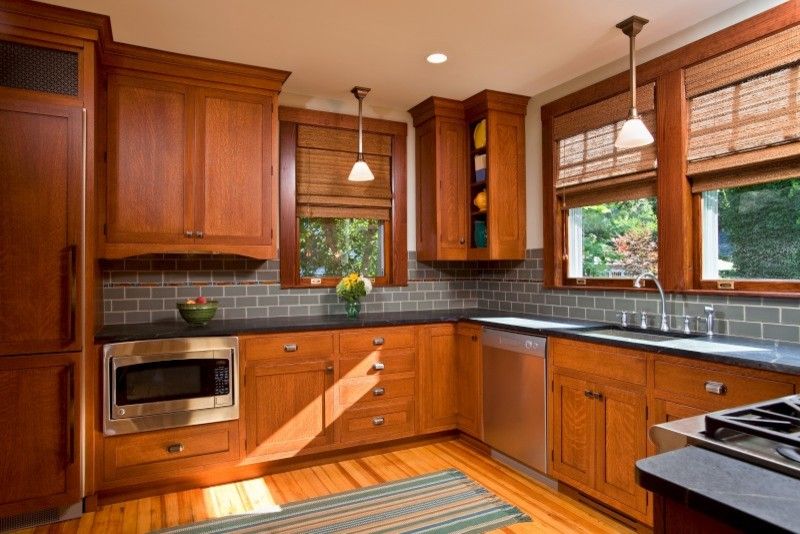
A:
<point x="191" y="158"/>
<point x="40" y="226"/>
<point x="450" y="156"/>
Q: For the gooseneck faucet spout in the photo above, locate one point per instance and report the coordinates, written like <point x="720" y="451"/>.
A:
<point x="651" y="276"/>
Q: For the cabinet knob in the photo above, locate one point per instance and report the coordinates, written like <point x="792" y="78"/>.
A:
<point x="716" y="388"/>
<point x="378" y="421"/>
<point x="200" y="234"/>
<point x="290" y="347"/>
<point x="588" y="394"/>
<point x="378" y="341"/>
<point x="474" y="338"/>
<point x="175" y="448"/>
<point x="462" y="241"/>
<point x="329" y="368"/>
<point x="378" y="392"/>
<point x="378" y="366"/>
<point x="188" y="233"/>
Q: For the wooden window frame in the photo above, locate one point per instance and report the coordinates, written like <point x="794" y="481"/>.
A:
<point x="678" y="210"/>
<point x="395" y="229"/>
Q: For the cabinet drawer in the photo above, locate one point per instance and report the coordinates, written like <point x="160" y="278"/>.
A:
<point x="733" y="388"/>
<point x="378" y="423"/>
<point x="376" y="339"/>
<point x="153" y="454"/>
<point x="615" y="363"/>
<point x="368" y="390"/>
<point x="296" y="344"/>
<point x="377" y="363"/>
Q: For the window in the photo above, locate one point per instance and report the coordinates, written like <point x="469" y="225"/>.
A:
<point x="338" y="246"/>
<point x="752" y="232"/>
<point x="330" y="226"/>
<point x="613" y="240"/>
<point x="607" y="196"/>
<point x="744" y="163"/>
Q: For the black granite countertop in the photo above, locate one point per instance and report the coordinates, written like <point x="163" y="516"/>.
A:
<point x="743" y="495"/>
<point x="751" y="353"/>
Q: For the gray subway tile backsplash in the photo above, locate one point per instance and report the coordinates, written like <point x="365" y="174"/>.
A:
<point x="145" y="289"/>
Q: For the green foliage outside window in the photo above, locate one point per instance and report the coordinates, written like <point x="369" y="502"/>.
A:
<point x="337" y="247"/>
<point x="620" y="239"/>
<point x="759" y="231"/>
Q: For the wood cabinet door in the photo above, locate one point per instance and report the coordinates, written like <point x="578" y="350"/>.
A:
<point x="621" y="428"/>
<point x="41" y="161"/>
<point x="39" y="426"/>
<point x="451" y="165"/>
<point x="506" y="185"/>
<point x="573" y="430"/>
<point x="233" y="186"/>
<point x="437" y="378"/>
<point x="469" y="379"/>
<point x="149" y="188"/>
<point x="290" y="407"/>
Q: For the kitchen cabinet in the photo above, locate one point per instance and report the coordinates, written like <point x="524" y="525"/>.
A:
<point x="438" y="396"/>
<point x="449" y="224"/>
<point x="39" y="432"/>
<point x="469" y="379"/>
<point x="40" y="226"/>
<point x="599" y="423"/>
<point x="190" y="159"/>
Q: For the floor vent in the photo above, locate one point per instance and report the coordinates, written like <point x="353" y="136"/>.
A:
<point x="40" y="517"/>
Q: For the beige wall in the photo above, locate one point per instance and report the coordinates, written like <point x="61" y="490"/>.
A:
<point x="533" y="149"/>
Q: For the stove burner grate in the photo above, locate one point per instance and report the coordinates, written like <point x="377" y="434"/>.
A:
<point x="776" y="420"/>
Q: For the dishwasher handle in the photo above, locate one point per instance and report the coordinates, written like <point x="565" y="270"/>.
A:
<point x="514" y="342"/>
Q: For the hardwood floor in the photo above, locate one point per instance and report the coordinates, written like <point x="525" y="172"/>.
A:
<point x="551" y="511"/>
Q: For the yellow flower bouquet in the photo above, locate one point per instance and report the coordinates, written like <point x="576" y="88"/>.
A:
<point x="351" y="288"/>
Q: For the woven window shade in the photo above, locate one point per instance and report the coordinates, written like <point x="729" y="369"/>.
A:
<point x="586" y="152"/>
<point x="323" y="162"/>
<point x="744" y="113"/>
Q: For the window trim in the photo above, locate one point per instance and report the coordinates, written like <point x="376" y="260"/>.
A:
<point x="395" y="238"/>
<point x="679" y="260"/>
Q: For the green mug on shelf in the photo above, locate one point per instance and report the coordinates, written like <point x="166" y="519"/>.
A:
<point x="479" y="232"/>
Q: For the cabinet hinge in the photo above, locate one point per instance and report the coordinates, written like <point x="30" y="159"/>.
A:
<point x="105" y="229"/>
<point x="105" y="156"/>
<point x="552" y="385"/>
<point x="553" y="455"/>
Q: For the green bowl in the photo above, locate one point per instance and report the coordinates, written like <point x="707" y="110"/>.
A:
<point x="198" y="314"/>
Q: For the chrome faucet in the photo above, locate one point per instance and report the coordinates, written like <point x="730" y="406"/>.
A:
<point x="651" y="276"/>
<point x="709" y="320"/>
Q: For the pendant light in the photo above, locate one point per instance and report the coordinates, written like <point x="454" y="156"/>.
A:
<point x="360" y="171"/>
<point x="633" y="133"/>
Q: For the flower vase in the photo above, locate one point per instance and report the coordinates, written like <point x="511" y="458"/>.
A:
<point x="352" y="307"/>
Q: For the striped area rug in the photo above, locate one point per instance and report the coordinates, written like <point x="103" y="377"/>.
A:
<point x="442" y="502"/>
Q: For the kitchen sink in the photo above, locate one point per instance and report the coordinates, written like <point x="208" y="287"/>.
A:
<point x="675" y="340"/>
<point x="649" y="336"/>
<point x="528" y="323"/>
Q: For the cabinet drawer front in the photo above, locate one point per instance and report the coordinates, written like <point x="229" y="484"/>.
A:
<point x="600" y="360"/>
<point x="376" y="339"/>
<point x="377" y="363"/>
<point x="152" y="454"/>
<point x="718" y="388"/>
<point x="378" y="423"/>
<point x="369" y="390"/>
<point x="293" y="344"/>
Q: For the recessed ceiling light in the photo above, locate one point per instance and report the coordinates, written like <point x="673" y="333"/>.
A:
<point x="437" y="57"/>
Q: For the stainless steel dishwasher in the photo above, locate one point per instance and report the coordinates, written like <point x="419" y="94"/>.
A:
<point x="515" y="396"/>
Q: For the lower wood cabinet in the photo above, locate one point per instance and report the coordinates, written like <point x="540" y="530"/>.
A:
<point x="289" y="406"/>
<point x="39" y="422"/>
<point x="469" y="379"/>
<point x="438" y="395"/>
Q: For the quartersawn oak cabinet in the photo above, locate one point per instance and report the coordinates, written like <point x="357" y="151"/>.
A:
<point x="447" y="182"/>
<point x="190" y="160"/>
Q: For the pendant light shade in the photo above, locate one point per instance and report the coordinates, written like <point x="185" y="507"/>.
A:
<point x="360" y="171"/>
<point x="633" y="133"/>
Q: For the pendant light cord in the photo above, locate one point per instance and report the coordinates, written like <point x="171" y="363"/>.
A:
<point x="360" y="131"/>
<point x="633" y="74"/>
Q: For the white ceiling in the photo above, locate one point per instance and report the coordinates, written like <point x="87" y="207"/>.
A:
<point x="520" y="46"/>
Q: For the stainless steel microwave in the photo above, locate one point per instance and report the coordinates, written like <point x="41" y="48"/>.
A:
<point x="150" y="385"/>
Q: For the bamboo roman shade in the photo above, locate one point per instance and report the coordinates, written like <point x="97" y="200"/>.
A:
<point x="588" y="162"/>
<point x="323" y="161"/>
<point x="744" y="114"/>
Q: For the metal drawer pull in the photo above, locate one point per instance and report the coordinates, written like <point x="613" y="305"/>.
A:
<point x="290" y="347"/>
<point x="588" y="394"/>
<point x="378" y="391"/>
<point x="175" y="448"/>
<point x="378" y="366"/>
<point x="378" y="341"/>
<point x="716" y="388"/>
<point x="378" y="421"/>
